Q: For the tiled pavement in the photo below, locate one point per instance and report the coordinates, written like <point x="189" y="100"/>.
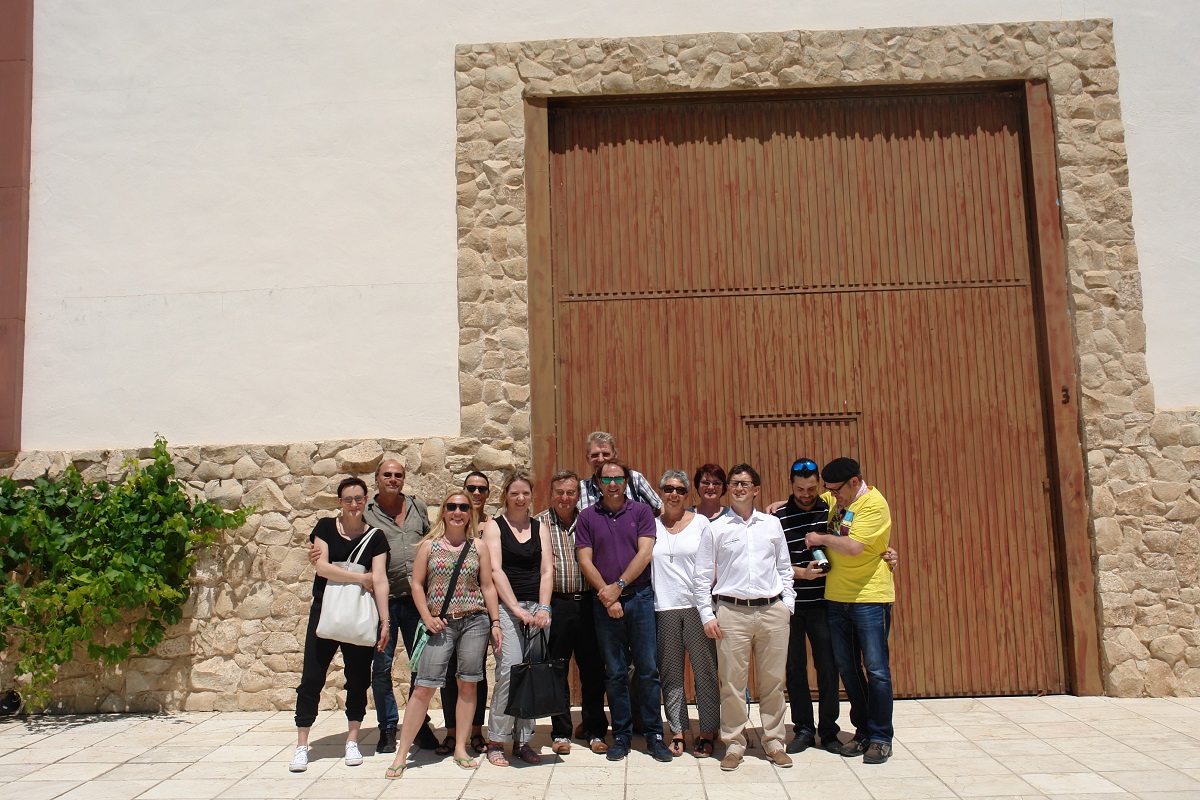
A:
<point x="1064" y="748"/>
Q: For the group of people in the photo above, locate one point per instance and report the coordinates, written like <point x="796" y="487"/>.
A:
<point x="629" y="583"/>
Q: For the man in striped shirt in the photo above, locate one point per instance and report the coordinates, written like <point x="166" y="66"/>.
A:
<point x="573" y="629"/>
<point x="805" y="511"/>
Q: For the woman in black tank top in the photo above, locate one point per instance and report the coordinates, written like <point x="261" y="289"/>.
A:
<point x="523" y="574"/>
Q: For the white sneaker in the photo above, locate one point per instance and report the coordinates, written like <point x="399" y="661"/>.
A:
<point x="353" y="756"/>
<point x="299" y="759"/>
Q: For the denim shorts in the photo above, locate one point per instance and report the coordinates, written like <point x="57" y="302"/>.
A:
<point x="468" y="637"/>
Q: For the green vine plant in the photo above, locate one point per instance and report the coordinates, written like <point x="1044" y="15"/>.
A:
<point x="77" y="558"/>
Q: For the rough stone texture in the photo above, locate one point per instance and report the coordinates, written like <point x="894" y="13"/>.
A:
<point x="240" y="645"/>
<point x="1144" y="464"/>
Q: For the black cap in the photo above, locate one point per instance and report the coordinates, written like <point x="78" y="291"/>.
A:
<point x="840" y="470"/>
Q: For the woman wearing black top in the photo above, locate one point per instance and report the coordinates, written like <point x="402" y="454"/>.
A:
<point x="337" y="539"/>
<point x="523" y="574"/>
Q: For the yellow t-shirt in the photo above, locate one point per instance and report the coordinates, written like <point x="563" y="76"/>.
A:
<point x="864" y="578"/>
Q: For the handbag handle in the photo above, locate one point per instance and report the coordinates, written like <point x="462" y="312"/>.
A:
<point x="530" y="635"/>
<point x="362" y="544"/>
<point x="454" y="578"/>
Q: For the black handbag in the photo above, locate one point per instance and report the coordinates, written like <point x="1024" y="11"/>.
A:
<point x="538" y="689"/>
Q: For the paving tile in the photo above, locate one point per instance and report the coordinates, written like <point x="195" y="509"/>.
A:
<point x="417" y="789"/>
<point x="142" y="771"/>
<point x="355" y="787"/>
<point x="959" y="767"/>
<point x="171" y="753"/>
<point x="827" y="790"/>
<point x="29" y="755"/>
<point x="246" y="752"/>
<point x="740" y="791"/>
<point x="906" y="788"/>
<point x="1161" y="780"/>
<point x="187" y="789"/>
<point x="103" y="754"/>
<point x="594" y="775"/>
<point x="10" y="772"/>
<point x="990" y="786"/>
<point x="118" y="790"/>
<point x="1042" y="762"/>
<point x="1056" y="783"/>
<point x="220" y="770"/>
<point x="67" y="772"/>
<point x="1060" y="730"/>
<point x="257" y="788"/>
<point x="46" y="790"/>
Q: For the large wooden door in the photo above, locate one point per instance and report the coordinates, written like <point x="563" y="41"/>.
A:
<point x="764" y="279"/>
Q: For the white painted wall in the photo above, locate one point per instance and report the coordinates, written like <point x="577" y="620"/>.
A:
<point x="243" y="220"/>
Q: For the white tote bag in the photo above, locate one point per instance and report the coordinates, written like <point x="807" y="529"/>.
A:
<point x="348" y="612"/>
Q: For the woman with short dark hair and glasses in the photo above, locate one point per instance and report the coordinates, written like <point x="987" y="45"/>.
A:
<point x="710" y="487"/>
<point x="677" y="620"/>
<point x="477" y="487"/>
<point x="338" y="539"/>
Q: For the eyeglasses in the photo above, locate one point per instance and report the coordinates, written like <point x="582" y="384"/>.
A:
<point x="607" y="479"/>
<point x="838" y="488"/>
<point x="804" y="467"/>
<point x="393" y="474"/>
<point x="458" y="506"/>
<point x="477" y="489"/>
<point x="679" y="490"/>
<point x="352" y="501"/>
<point x="741" y="484"/>
<point x="566" y="493"/>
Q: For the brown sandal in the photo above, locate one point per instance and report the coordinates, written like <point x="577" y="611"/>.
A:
<point x="703" y="747"/>
<point x="526" y="753"/>
<point x="495" y="755"/>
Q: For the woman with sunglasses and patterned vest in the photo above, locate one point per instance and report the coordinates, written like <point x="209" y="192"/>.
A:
<point x="477" y="488"/>
<point x="459" y="608"/>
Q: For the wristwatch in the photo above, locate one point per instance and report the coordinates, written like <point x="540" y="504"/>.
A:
<point x="620" y="583"/>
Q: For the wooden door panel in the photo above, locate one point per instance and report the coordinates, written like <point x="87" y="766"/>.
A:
<point x="745" y="279"/>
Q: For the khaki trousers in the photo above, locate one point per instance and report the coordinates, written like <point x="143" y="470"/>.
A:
<point x="764" y="631"/>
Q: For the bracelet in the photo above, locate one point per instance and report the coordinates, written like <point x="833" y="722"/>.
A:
<point x="496" y="623"/>
<point x="544" y="608"/>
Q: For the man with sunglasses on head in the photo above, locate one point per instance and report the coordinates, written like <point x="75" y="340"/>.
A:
<point x="601" y="448"/>
<point x="806" y="512"/>
<point x="404" y="521"/>
<point x="614" y="540"/>
<point x="860" y="592"/>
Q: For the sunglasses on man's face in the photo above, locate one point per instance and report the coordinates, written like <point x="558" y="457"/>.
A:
<point x="458" y="506"/>
<point x="679" y="490"/>
<point x="612" y="479"/>
<point x="477" y="489"/>
<point x="393" y="474"/>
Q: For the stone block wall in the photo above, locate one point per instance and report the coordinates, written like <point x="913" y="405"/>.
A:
<point x="240" y="646"/>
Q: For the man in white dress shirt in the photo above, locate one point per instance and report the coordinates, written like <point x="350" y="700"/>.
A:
<point x="745" y="595"/>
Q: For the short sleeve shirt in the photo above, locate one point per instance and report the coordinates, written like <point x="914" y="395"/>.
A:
<point x="614" y="537"/>
<point x="340" y="549"/>
<point x="865" y="578"/>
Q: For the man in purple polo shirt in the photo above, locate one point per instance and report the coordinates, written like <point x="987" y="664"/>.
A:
<point x="614" y="540"/>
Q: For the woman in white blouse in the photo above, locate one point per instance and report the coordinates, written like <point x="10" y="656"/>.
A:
<point x="677" y="619"/>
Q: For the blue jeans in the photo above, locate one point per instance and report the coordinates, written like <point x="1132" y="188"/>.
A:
<point x="632" y="637"/>
<point x="865" y="625"/>
<point x="404" y="617"/>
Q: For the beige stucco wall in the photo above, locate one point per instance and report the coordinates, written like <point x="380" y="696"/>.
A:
<point x="240" y="645"/>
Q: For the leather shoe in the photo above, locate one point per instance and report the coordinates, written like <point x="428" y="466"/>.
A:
<point x="730" y="762"/>
<point x="658" y="749"/>
<point x="877" y="753"/>
<point x="598" y="745"/>
<point x="780" y="758"/>
<point x="618" y="750"/>
<point x="387" y="741"/>
<point x="426" y="740"/>
<point x="801" y="742"/>
<point x="853" y="748"/>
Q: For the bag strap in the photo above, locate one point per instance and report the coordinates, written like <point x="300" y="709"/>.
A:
<point x="530" y="634"/>
<point x="362" y="544"/>
<point x="454" y="578"/>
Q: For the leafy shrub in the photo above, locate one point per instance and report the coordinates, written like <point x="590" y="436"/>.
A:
<point x="76" y="558"/>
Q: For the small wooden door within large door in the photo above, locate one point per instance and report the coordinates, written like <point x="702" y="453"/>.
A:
<point x="759" y="280"/>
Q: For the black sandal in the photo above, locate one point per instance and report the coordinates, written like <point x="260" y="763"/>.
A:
<point x="446" y="747"/>
<point x="478" y="744"/>
<point x="702" y="748"/>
